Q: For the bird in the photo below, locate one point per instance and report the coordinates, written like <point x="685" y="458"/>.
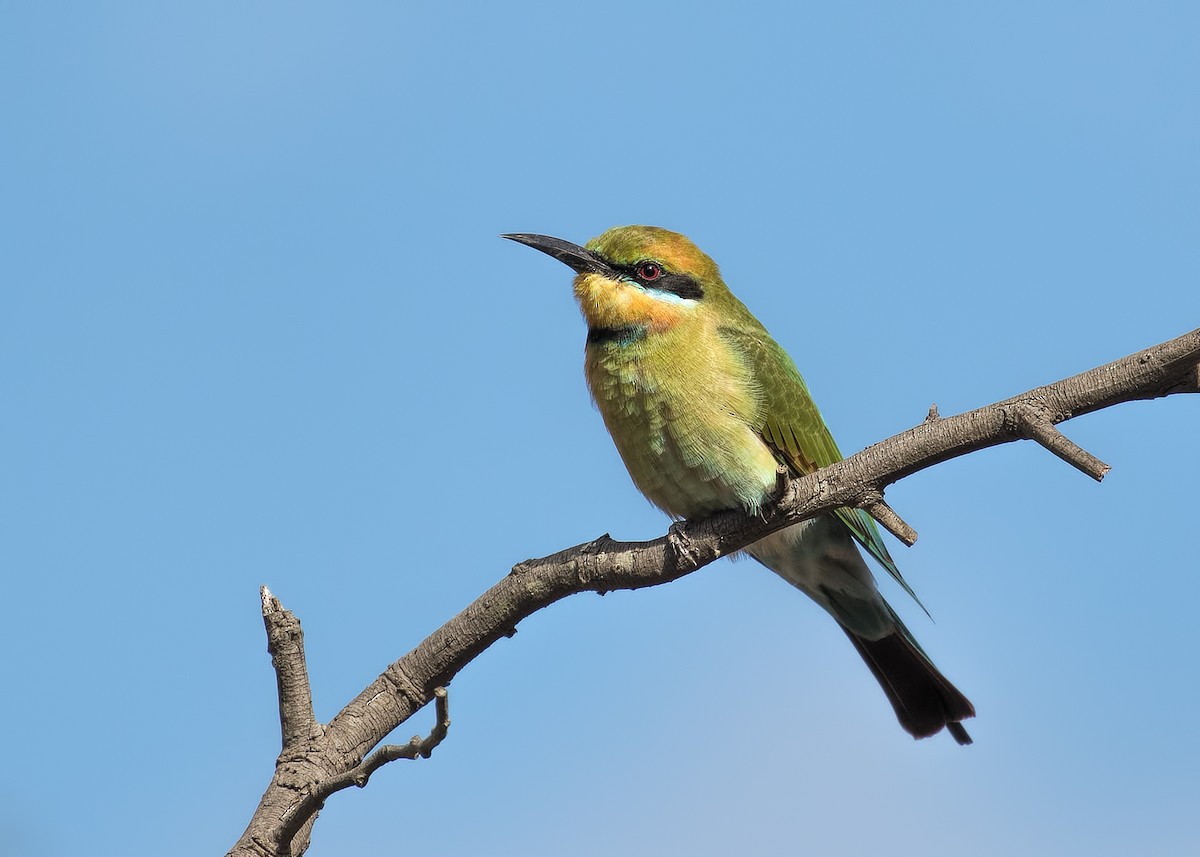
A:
<point x="704" y="406"/>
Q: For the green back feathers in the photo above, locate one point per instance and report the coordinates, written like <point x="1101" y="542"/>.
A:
<point x="793" y="427"/>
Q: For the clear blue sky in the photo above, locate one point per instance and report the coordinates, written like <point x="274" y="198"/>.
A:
<point x="256" y="326"/>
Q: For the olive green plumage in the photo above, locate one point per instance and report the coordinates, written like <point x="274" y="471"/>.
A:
<point x="703" y="405"/>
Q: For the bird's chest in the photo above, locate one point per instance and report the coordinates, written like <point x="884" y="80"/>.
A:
<point x="684" y="428"/>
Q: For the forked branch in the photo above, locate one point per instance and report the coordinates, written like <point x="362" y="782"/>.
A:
<point x="417" y="747"/>
<point x="317" y="760"/>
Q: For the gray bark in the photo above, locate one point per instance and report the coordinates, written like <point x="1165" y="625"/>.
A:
<point x="319" y="759"/>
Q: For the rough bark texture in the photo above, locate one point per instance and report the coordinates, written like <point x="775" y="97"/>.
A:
<point x="318" y="759"/>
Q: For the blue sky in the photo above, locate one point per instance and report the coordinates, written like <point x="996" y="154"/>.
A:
<point x="256" y="326"/>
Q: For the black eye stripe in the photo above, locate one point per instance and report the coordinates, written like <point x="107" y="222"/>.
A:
<point x="677" y="284"/>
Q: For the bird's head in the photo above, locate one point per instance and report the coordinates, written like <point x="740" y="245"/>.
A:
<point x="637" y="276"/>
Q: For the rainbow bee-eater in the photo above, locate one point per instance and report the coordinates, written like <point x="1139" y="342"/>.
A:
<point x="703" y="406"/>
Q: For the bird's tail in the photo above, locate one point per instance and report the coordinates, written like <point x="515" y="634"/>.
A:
<point x="925" y="701"/>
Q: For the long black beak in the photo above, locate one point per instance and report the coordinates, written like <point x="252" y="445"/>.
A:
<point x="580" y="259"/>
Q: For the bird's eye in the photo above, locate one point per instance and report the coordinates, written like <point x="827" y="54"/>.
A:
<point x="649" y="271"/>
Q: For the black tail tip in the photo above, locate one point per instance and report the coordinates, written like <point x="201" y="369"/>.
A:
<point x="959" y="734"/>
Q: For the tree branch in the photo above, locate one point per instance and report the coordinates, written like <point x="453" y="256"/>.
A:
<point x="285" y="643"/>
<point x="1038" y="426"/>
<point x="874" y="505"/>
<point x="334" y="754"/>
<point x="417" y="748"/>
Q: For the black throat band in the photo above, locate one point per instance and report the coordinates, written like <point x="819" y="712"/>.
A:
<point x="624" y="335"/>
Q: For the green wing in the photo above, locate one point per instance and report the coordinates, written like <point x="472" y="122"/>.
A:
<point x="792" y="426"/>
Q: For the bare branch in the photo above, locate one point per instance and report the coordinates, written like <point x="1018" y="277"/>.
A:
<point x="1037" y="426"/>
<point x="285" y="643"/>
<point x="334" y="753"/>
<point x="888" y="519"/>
<point x="417" y="747"/>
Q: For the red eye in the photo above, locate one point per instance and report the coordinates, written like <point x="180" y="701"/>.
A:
<point x="648" y="271"/>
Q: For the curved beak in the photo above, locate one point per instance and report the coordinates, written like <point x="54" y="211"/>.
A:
<point x="579" y="259"/>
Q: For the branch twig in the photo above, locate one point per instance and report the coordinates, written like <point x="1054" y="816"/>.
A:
<point x="1037" y="426"/>
<point x="879" y="510"/>
<point x="285" y="643"/>
<point x="416" y="748"/>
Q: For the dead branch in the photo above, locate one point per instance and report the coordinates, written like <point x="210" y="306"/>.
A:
<point x="318" y="760"/>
